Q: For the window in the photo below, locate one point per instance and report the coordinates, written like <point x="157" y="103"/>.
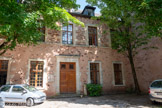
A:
<point x="92" y="33"/>
<point x="88" y="10"/>
<point x="3" y="71"/>
<point x="94" y="73"/>
<point x="67" y="34"/>
<point x="5" y="88"/>
<point x="17" y="89"/>
<point x="42" y="38"/>
<point x="36" y="73"/>
<point x="157" y="84"/>
<point x="118" y="73"/>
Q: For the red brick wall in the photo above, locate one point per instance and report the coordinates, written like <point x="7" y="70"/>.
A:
<point x="148" y="64"/>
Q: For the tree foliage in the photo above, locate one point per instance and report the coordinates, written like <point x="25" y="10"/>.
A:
<point x="20" y="19"/>
<point x="133" y="23"/>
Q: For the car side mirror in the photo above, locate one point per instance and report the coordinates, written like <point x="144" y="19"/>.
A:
<point x="24" y="92"/>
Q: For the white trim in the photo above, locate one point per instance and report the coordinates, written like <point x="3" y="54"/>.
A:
<point x="9" y="67"/>
<point x="68" y="59"/>
<point x="122" y="66"/>
<point x="98" y="34"/>
<point x="44" y="73"/>
<point x="100" y="71"/>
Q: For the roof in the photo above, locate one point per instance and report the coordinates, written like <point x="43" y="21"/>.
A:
<point x="88" y="7"/>
<point x="80" y="12"/>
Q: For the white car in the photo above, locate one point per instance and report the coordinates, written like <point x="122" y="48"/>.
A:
<point x="21" y="94"/>
<point x="2" y="104"/>
<point x="155" y="91"/>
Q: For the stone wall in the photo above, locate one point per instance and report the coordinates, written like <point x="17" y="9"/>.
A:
<point x="19" y="68"/>
<point x="148" y="63"/>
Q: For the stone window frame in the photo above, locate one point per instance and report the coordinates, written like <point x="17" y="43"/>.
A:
<point x="123" y="78"/>
<point x="74" y="35"/>
<point x="87" y="36"/>
<point x="9" y="68"/>
<point x="44" y="73"/>
<point x="100" y="71"/>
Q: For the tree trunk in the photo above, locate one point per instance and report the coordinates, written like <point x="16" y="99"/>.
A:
<point x="130" y="56"/>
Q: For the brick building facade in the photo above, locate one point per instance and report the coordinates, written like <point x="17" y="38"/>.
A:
<point x="74" y="56"/>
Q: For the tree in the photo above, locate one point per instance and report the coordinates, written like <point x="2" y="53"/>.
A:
<point x="133" y="23"/>
<point x="20" y="20"/>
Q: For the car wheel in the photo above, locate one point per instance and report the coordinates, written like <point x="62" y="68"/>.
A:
<point x="29" y="102"/>
<point x="154" y="102"/>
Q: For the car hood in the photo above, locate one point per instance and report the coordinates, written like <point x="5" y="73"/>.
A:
<point x="39" y="93"/>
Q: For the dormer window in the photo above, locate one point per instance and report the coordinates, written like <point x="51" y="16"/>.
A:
<point x="89" y="11"/>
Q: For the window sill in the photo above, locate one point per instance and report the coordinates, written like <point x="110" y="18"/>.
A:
<point x="93" y="46"/>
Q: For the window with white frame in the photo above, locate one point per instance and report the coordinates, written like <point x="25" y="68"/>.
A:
<point x="67" y="34"/>
<point x="118" y="74"/>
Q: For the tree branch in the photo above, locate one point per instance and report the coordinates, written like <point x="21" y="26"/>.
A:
<point x="3" y="51"/>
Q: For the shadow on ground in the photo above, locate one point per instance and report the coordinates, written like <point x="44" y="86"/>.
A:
<point x="106" y="101"/>
<point x="121" y="100"/>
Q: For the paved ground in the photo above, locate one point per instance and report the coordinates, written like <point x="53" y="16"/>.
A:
<point x="108" y="101"/>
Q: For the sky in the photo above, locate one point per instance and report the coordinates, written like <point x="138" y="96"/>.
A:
<point x="83" y="3"/>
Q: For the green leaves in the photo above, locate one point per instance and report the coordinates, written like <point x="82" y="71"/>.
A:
<point x="94" y="89"/>
<point x="19" y="21"/>
<point x="133" y="23"/>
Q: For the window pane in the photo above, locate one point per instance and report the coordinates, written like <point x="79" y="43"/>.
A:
<point x="157" y="84"/>
<point x="67" y="34"/>
<point x="18" y="89"/>
<point x="3" y="71"/>
<point x="42" y="38"/>
<point x="70" y="28"/>
<point x="71" y="66"/>
<point x="36" y="73"/>
<point x="64" y="37"/>
<point x="63" y="66"/>
<point x="92" y="33"/>
<point x="94" y="73"/>
<point x="64" y="28"/>
<point x="70" y="38"/>
<point x="118" y="74"/>
<point x="5" y="89"/>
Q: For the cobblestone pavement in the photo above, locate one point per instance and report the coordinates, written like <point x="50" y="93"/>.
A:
<point x="108" y="101"/>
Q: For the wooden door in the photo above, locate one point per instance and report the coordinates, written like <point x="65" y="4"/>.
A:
<point x="3" y="72"/>
<point x="67" y="77"/>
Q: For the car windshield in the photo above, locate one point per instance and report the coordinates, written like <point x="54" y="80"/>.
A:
<point x="157" y="84"/>
<point x="5" y="88"/>
<point x="30" y="88"/>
